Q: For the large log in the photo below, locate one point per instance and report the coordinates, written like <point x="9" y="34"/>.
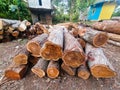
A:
<point x="95" y="38"/>
<point x="52" y="50"/>
<point x="114" y="37"/>
<point x="111" y="26"/>
<point x="83" y="72"/>
<point x="40" y="68"/>
<point x="34" y="45"/>
<point x="53" y="69"/>
<point x="69" y="70"/>
<point x="73" y="53"/>
<point x="21" y="57"/>
<point x="98" y="63"/>
<point x="15" y="72"/>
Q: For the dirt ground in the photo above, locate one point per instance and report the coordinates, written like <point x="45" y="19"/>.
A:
<point x="64" y="81"/>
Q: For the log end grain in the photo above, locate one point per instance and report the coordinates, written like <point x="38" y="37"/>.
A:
<point x="52" y="72"/>
<point x="102" y="71"/>
<point x="51" y="51"/>
<point x="84" y="74"/>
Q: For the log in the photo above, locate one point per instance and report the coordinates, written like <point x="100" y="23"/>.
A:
<point x="15" y="33"/>
<point x="1" y="32"/>
<point x="114" y="37"/>
<point x="73" y="55"/>
<point x="33" y="60"/>
<point x="53" y="69"/>
<point x="10" y="29"/>
<point x="81" y="30"/>
<point x="83" y="72"/>
<point x="21" y="57"/>
<point x="22" y="27"/>
<point x="1" y="37"/>
<point x="74" y="32"/>
<point x="52" y="49"/>
<point x="111" y="26"/>
<point x="69" y="70"/>
<point x="1" y="25"/>
<point x="98" y="63"/>
<point x="114" y="43"/>
<point x="81" y="42"/>
<point x="16" y="72"/>
<point x="34" y="45"/>
<point x="95" y="38"/>
<point x="40" y="68"/>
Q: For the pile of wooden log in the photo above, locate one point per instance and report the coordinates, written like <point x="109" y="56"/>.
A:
<point x="76" y="54"/>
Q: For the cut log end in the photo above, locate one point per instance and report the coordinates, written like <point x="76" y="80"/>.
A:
<point x="100" y="39"/>
<point x="38" y="72"/>
<point x="73" y="59"/>
<point x="34" y="48"/>
<point x="51" y="51"/>
<point x="52" y="72"/>
<point x="102" y="71"/>
<point x="84" y="74"/>
<point x="20" y="59"/>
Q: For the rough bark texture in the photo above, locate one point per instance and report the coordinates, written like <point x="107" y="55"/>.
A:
<point x="40" y="68"/>
<point x="15" y="72"/>
<point x="114" y="43"/>
<point x="114" y="37"/>
<point x="52" y="50"/>
<point x="53" y="69"/>
<point x="83" y="72"/>
<point x="99" y="65"/>
<point x="82" y="42"/>
<point x="34" y="45"/>
<point x="108" y="26"/>
<point x="95" y="38"/>
<point x="73" y="53"/>
<point x="69" y="70"/>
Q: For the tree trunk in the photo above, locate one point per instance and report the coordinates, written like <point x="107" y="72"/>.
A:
<point x="108" y="26"/>
<point x="82" y="42"/>
<point x="40" y="68"/>
<point x="34" y="45"/>
<point x="53" y="69"/>
<point x="73" y="53"/>
<point x="52" y="50"/>
<point x="69" y="70"/>
<point x="114" y="37"/>
<point x="95" y="38"/>
<point x="21" y="57"/>
<point x="83" y="72"/>
<point x="99" y="65"/>
<point x="16" y="72"/>
<point x="114" y="43"/>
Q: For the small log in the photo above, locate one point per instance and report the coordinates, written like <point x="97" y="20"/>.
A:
<point x="15" y="33"/>
<point x="34" y="45"/>
<point x="33" y="60"/>
<point x="73" y="53"/>
<point x="40" y="68"/>
<point x="1" y="25"/>
<point x="52" y="50"/>
<point x="11" y="29"/>
<point x="114" y="37"/>
<point x="69" y="70"/>
<point x="95" y="38"/>
<point x="99" y="65"/>
<point x="53" y="69"/>
<point x="82" y="42"/>
<point x="83" y="72"/>
<point x="22" y="27"/>
<point x="114" y="43"/>
<point x="21" y="57"/>
<point x="16" y="72"/>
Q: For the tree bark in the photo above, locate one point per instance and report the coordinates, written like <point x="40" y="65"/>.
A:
<point x="16" y="72"/>
<point x="83" y="72"/>
<point x="40" y="68"/>
<point x="73" y="53"/>
<point x="69" y="70"/>
<point x="95" y="38"/>
<point x="52" y="49"/>
<point x="53" y="69"/>
<point x="34" y="45"/>
<point x="114" y="43"/>
<point x="114" y="37"/>
<point x="99" y="65"/>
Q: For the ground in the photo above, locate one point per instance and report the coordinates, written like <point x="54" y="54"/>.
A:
<point x="64" y="81"/>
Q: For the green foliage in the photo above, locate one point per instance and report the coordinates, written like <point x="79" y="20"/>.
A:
<point x="14" y="9"/>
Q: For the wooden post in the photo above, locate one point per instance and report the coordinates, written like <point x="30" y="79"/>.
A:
<point x="99" y="65"/>
<point x="40" y="68"/>
<point x="73" y="53"/>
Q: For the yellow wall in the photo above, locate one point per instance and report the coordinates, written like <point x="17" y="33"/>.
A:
<point x="107" y="10"/>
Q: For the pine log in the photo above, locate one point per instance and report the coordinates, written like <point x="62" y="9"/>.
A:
<point x="40" y="68"/>
<point x="33" y="60"/>
<point x="69" y="70"/>
<point x="108" y="26"/>
<point x="21" y="57"/>
<point x="73" y="53"/>
<point x="83" y="72"/>
<point x="16" y="72"/>
<point x="114" y="43"/>
<point x="1" y="25"/>
<point x="52" y="50"/>
<point x="98" y="63"/>
<point x="95" y="38"/>
<point x="53" y="69"/>
<point x="15" y="33"/>
<point x="82" y="42"/>
<point x="114" y="37"/>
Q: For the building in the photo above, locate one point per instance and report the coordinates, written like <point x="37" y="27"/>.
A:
<point x="102" y="9"/>
<point x="41" y="11"/>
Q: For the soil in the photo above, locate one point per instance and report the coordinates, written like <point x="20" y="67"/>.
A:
<point x="64" y="81"/>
